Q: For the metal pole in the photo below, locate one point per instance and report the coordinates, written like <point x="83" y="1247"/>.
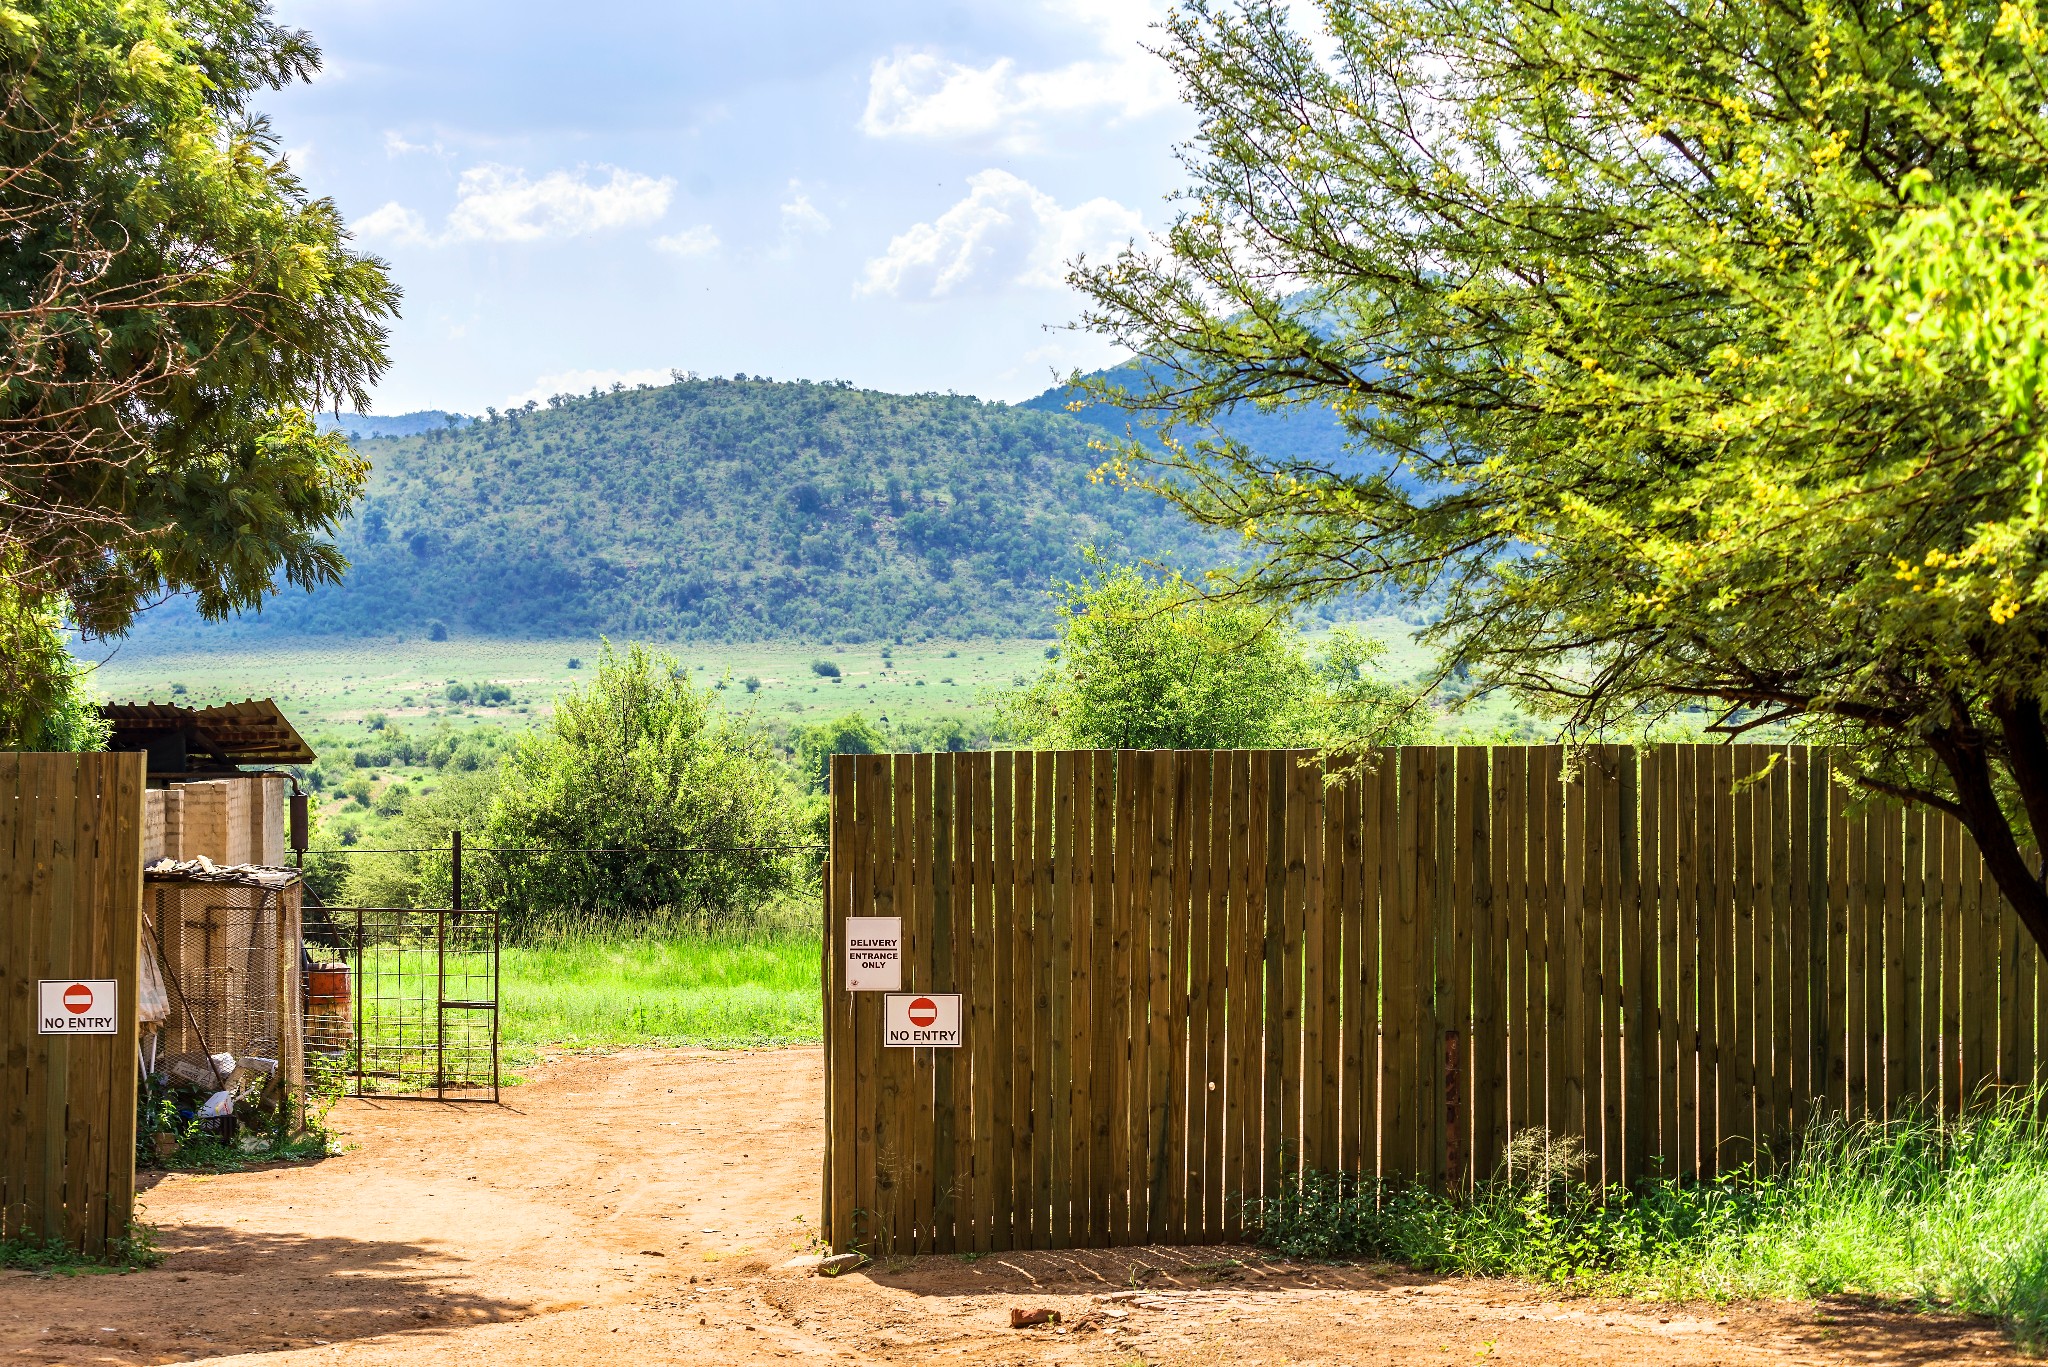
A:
<point x="359" y="987"/>
<point x="495" y="946"/>
<point x="441" y="1007"/>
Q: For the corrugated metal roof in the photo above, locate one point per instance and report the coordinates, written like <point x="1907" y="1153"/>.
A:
<point x="248" y="732"/>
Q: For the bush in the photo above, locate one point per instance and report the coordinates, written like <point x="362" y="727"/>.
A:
<point x="640" y="794"/>
<point x="1946" y="1215"/>
<point x="825" y="669"/>
<point x="458" y="692"/>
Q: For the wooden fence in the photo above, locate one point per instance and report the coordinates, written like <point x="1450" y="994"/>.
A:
<point x="1188" y="975"/>
<point x="70" y="908"/>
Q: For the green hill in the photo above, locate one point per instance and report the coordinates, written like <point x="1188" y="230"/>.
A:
<point x="729" y="510"/>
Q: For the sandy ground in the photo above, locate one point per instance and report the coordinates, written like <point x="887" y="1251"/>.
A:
<point x="641" y="1207"/>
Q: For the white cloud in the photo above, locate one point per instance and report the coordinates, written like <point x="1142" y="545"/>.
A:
<point x="921" y="94"/>
<point x="1007" y="231"/>
<point x="800" y="215"/>
<point x="394" y="223"/>
<point x="583" y="381"/>
<point x="499" y="204"/>
<point x="397" y="145"/>
<point x="698" y="241"/>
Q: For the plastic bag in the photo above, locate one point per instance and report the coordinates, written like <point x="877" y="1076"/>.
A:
<point x="152" y="1003"/>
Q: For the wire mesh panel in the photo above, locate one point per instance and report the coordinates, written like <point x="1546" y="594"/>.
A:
<point x="230" y="962"/>
<point x="425" y="1002"/>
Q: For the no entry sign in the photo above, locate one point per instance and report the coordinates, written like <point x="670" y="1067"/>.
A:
<point x="916" y="1020"/>
<point x="77" y="1006"/>
<point x="874" y="954"/>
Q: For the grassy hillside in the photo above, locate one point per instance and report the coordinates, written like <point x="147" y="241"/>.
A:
<point x="730" y="510"/>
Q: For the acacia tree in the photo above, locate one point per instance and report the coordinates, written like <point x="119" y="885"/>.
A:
<point x="172" y="301"/>
<point x="1690" y="351"/>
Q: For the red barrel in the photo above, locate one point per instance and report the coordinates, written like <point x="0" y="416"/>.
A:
<point x="330" y="1018"/>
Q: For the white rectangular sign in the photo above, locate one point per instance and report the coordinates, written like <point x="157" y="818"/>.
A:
<point x="77" y="1006"/>
<point x="874" y="954"/>
<point x="914" y="1020"/>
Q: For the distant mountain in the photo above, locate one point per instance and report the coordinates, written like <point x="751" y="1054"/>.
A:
<point x="730" y="510"/>
<point x="1312" y="434"/>
<point x="367" y="426"/>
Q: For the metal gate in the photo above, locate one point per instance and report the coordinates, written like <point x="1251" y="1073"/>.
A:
<point x="421" y="1015"/>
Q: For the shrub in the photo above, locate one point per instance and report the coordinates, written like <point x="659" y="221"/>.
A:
<point x="458" y="692"/>
<point x="825" y="669"/>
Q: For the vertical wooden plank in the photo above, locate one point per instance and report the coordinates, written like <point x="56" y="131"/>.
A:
<point x="1709" y="820"/>
<point x="1909" y="1039"/>
<point x="1510" y="779"/>
<point x="1003" y="942"/>
<point x="965" y="1119"/>
<point x="1403" y="929"/>
<point x="892" y="1178"/>
<point x="1740" y="1138"/>
<point x="1865" y="907"/>
<point x="1158" y="983"/>
<point x="1216" y="996"/>
<point x="1980" y="963"/>
<point x="1292" y="928"/>
<point x="1569" y="1051"/>
<point x="1243" y="1105"/>
<point x="1666" y="924"/>
<point x="121" y="859"/>
<point x="1548" y="801"/>
<point x="1887" y="1033"/>
<point x="1836" y="1013"/>
<point x="1720" y="867"/>
<point x="920" y="940"/>
<point x="1132" y="836"/>
<point x="1046" y="1082"/>
<point x="947" y="1124"/>
<point x="1080" y="983"/>
<point x="1451" y="962"/>
<point x="1104" y="1024"/>
<point x="1272" y="938"/>
<point x="2005" y="937"/>
<point x="1688" y="811"/>
<point x="1457" y="969"/>
<point x="1803" y="835"/>
<point x="1783" y="1127"/>
<point x="841" y="1048"/>
<point x="18" y="938"/>
<point x="1181" y="854"/>
<point x="84" y="1129"/>
<point x="988" y="1059"/>
<point x="870" y="799"/>
<point x="55" y="801"/>
<point x="1199" y="857"/>
<point x="1938" y="1038"/>
<point x="1323" y="973"/>
<point x="1616" y="890"/>
<point x="1488" y="1054"/>
<point x="1358" y="947"/>
<point x="1638" y="976"/>
<point x="1058" y="1095"/>
<point x="1023" y="997"/>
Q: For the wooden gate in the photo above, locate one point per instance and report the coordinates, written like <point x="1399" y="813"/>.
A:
<point x="70" y="908"/>
<point x="1188" y="975"/>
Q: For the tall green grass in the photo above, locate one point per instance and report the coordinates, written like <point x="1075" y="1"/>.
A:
<point x="606" y="985"/>
<point x="1938" y="1214"/>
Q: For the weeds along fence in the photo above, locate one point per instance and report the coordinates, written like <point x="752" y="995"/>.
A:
<point x="1190" y="975"/>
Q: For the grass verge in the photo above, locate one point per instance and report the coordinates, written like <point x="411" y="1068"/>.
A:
<point x="1941" y="1215"/>
<point x="599" y="986"/>
<point x="51" y="1257"/>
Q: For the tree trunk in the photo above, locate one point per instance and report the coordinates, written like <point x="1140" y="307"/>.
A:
<point x="1984" y="817"/>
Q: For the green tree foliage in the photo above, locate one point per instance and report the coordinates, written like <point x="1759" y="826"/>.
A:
<point x="734" y="510"/>
<point x="1690" y="352"/>
<point x="639" y="761"/>
<point x="45" y="702"/>
<point x="172" y="301"/>
<point x="849" y="734"/>
<point x="1155" y="666"/>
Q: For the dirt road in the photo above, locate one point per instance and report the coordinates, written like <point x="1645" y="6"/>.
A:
<point x="640" y="1207"/>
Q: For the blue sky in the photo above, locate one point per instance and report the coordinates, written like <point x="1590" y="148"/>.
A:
<point x="876" y="192"/>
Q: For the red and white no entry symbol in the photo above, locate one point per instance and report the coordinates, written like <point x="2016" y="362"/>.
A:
<point x="78" y="999"/>
<point x="923" y="1012"/>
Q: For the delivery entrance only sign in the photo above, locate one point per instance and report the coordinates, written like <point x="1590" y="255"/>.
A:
<point x="77" y="1006"/>
<point x="874" y="953"/>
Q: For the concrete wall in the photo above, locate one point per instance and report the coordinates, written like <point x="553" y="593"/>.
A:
<point x="230" y="821"/>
